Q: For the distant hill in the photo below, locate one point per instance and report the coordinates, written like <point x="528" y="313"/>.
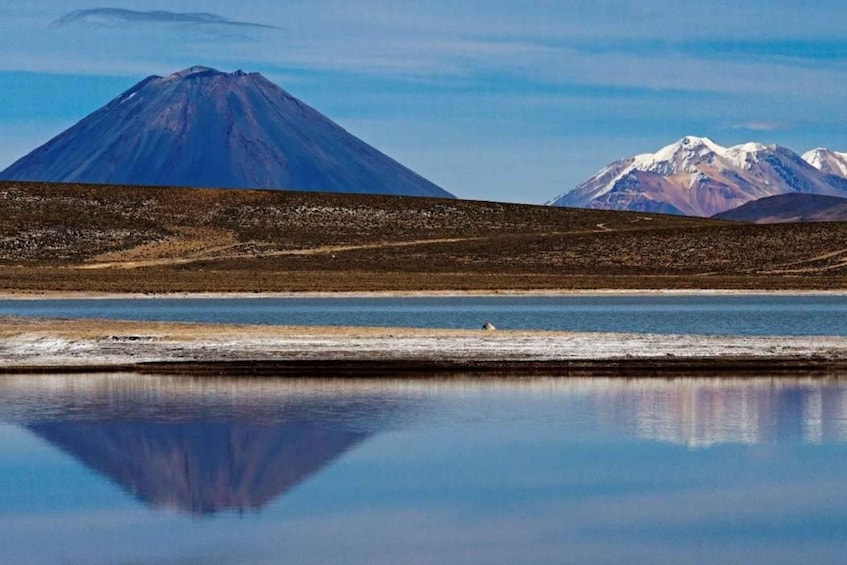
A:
<point x="789" y="208"/>
<point x="204" y="128"/>
<point x="697" y="177"/>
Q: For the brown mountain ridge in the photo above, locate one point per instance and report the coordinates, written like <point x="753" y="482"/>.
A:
<point x="790" y="208"/>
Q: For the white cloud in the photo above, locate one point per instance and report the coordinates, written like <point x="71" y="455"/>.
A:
<point x="759" y="126"/>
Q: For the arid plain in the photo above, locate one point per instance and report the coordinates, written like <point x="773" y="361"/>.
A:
<point x="115" y="239"/>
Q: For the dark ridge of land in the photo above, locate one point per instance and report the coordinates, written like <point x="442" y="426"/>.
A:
<point x="98" y="238"/>
<point x="629" y="368"/>
<point x="792" y="207"/>
<point x="639" y="368"/>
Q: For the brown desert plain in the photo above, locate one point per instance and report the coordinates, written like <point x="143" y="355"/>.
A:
<point x="58" y="238"/>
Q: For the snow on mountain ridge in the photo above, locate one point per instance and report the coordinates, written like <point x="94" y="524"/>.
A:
<point x="680" y="157"/>
<point x="687" y="144"/>
<point x="827" y="161"/>
<point x="696" y="176"/>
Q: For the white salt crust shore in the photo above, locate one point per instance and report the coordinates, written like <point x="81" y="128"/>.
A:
<point x="43" y="343"/>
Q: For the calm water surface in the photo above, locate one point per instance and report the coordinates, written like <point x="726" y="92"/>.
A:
<point x="131" y="469"/>
<point x="716" y="315"/>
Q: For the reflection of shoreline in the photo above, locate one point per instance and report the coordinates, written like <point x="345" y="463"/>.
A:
<point x="711" y="413"/>
<point x="455" y="362"/>
<point x="260" y="398"/>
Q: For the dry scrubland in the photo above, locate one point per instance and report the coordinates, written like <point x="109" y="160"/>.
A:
<point x="59" y="237"/>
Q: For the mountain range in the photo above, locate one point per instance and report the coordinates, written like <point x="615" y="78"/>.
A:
<point x="204" y="128"/>
<point x="697" y="177"/>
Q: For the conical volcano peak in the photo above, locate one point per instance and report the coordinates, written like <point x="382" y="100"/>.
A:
<point x="201" y="127"/>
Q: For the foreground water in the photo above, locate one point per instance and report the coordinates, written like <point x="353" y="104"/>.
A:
<point x="131" y="469"/>
<point x="675" y="314"/>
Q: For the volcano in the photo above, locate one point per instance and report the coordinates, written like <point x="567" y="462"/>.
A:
<point x="204" y="128"/>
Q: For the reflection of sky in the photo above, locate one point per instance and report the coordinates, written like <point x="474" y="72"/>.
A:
<point x="35" y="476"/>
<point x="509" y="474"/>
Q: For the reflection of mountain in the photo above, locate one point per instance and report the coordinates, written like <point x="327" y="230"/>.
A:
<point x="713" y="412"/>
<point x="199" y="446"/>
<point x="202" y="467"/>
<point x="212" y="445"/>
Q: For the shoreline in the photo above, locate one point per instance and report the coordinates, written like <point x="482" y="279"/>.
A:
<point x="541" y="293"/>
<point x="42" y="346"/>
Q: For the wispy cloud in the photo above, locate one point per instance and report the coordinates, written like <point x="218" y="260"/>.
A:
<point x="121" y="15"/>
<point x="759" y="126"/>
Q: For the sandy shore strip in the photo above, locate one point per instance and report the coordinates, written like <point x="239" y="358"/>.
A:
<point x="88" y="295"/>
<point x="44" y="346"/>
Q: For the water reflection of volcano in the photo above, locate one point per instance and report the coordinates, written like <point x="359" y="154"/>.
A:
<point x="202" y="467"/>
<point x="198" y="447"/>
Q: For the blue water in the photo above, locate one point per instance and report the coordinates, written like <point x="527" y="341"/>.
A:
<point x="707" y="315"/>
<point x="131" y="469"/>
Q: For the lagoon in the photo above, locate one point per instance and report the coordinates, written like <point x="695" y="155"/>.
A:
<point x="144" y="469"/>
<point x="757" y="314"/>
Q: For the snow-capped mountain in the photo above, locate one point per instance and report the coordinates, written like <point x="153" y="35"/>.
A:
<point x="205" y="128"/>
<point x="827" y="161"/>
<point x="697" y="177"/>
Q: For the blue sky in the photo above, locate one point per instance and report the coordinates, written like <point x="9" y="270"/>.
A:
<point x="512" y="100"/>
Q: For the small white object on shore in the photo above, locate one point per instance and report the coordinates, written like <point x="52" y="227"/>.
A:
<point x="488" y="326"/>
